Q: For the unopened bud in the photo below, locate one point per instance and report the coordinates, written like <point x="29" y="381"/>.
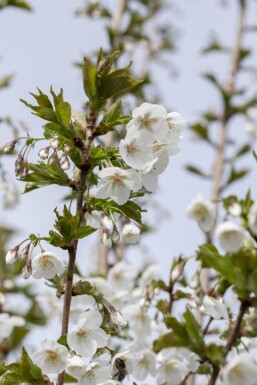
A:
<point x="27" y="270"/>
<point x="235" y="209"/>
<point x="10" y="146"/>
<point x="107" y="222"/>
<point x="12" y="255"/>
<point x="177" y="270"/>
<point x="43" y="153"/>
<point x="55" y="143"/>
<point x="67" y="148"/>
<point x="106" y="239"/>
<point x="115" y="235"/>
<point x="25" y="251"/>
<point x="117" y="318"/>
<point x="52" y="160"/>
<point x="65" y="164"/>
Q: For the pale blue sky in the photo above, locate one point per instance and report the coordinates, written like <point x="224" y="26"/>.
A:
<point x="40" y="48"/>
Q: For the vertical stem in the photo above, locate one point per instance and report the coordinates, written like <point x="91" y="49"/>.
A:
<point x="72" y="249"/>
<point x="231" y="341"/>
<point x="229" y="85"/>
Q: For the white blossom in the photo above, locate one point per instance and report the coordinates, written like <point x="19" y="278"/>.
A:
<point x="230" y="236"/>
<point x="87" y="336"/>
<point x="146" y="365"/>
<point x="149" y="176"/>
<point x="176" y="124"/>
<point x="46" y="265"/>
<point x="241" y="370"/>
<point x="7" y="324"/>
<point x="215" y="308"/>
<point x="129" y="357"/>
<point x="139" y="321"/>
<point x="95" y="374"/>
<point x="134" y="151"/>
<point x="76" y="366"/>
<point x="175" y="364"/>
<point x="252" y="218"/>
<point x="121" y="275"/>
<point x="151" y="273"/>
<point x="130" y="233"/>
<point x="202" y="211"/>
<point x="116" y="183"/>
<point x="172" y="369"/>
<point x="149" y="120"/>
<point x="52" y="357"/>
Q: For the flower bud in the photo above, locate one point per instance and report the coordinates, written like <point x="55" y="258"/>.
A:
<point x="130" y="233"/>
<point x="65" y="164"/>
<point x="117" y="318"/>
<point x="52" y="159"/>
<point x="25" y="251"/>
<point x="107" y="222"/>
<point x="43" y="153"/>
<point x="115" y="235"/>
<point x="67" y="148"/>
<point x="76" y="366"/>
<point x="106" y="239"/>
<point x="55" y="143"/>
<point x="27" y="270"/>
<point x="235" y="209"/>
<point x="10" y="146"/>
<point x="12" y="255"/>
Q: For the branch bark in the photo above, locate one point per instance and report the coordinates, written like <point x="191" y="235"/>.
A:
<point x="72" y="250"/>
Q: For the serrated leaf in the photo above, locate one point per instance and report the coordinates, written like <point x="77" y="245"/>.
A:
<point x="44" y="175"/>
<point x="83" y="231"/>
<point x="63" y="111"/>
<point x="89" y="79"/>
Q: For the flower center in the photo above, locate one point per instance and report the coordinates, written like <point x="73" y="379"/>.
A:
<point x="51" y="355"/>
<point x="199" y="211"/>
<point x="132" y="148"/>
<point x="171" y="124"/>
<point x="82" y="334"/>
<point x="118" y="179"/>
<point x="146" y="123"/>
<point x="46" y="262"/>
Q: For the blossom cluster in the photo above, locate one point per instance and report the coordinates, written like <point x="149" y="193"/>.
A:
<point x="152" y="136"/>
<point x="230" y="235"/>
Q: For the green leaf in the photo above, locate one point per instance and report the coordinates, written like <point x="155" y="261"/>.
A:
<point x="44" y="175"/>
<point x="201" y="130"/>
<point x="194" y="332"/>
<point x="83" y="231"/>
<point x="63" y="111"/>
<point x="19" y="4"/>
<point x="89" y="79"/>
<point x="243" y="150"/>
<point x="117" y="83"/>
<point x="235" y="175"/>
<point x="63" y="341"/>
<point x="195" y="170"/>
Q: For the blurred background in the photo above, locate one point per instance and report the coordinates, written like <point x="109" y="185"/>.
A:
<point x="40" y="49"/>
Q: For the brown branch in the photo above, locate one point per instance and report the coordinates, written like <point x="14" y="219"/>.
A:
<point x="90" y="133"/>
<point x="236" y="332"/>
